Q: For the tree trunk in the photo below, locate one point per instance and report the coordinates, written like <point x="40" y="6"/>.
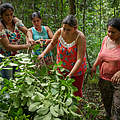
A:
<point x="72" y="7"/>
<point x="0" y="1"/>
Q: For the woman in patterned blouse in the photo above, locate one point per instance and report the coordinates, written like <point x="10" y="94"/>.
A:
<point x="10" y="28"/>
<point x="71" y="47"/>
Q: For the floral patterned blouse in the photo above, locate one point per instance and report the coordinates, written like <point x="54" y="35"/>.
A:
<point x="67" y="54"/>
<point x="14" y="38"/>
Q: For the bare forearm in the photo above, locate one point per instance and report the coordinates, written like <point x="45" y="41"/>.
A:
<point x="76" y="67"/>
<point x="28" y="36"/>
<point x="96" y="63"/>
<point x="49" y="47"/>
<point x="11" y="47"/>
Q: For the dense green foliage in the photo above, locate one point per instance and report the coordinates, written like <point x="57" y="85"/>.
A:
<point x="30" y="89"/>
<point x="40" y="94"/>
<point x="92" y="17"/>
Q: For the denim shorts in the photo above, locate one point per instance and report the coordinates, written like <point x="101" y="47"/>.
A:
<point x="6" y="72"/>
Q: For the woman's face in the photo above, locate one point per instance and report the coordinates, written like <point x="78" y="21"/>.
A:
<point x="7" y="16"/>
<point x="67" y="29"/>
<point x="113" y="33"/>
<point x="36" y="22"/>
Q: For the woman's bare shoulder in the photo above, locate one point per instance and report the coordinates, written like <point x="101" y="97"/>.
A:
<point x="58" y="32"/>
<point x="1" y="26"/>
<point x="30" y="28"/>
<point x="15" y="19"/>
<point x="81" y="33"/>
<point x="81" y="37"/>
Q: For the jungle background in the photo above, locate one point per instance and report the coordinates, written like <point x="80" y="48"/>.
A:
<point x="92" y="16"/>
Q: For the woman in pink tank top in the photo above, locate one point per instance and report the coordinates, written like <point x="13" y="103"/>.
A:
<point x="109" y="65"/>
<point x="71" y="47"/>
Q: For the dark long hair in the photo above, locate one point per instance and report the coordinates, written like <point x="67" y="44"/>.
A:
<point x="36" y="14"/>
<point x="114" y="22"/>
<point x="3" y="8"/>
<point x="70" y="20"/>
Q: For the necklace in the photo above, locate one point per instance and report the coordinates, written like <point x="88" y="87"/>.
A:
<point x="39" y="29"/>
<point x="10" y="27"/>
<point x="112" y="44"/>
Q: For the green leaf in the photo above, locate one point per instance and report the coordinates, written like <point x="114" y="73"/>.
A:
<point x="53" y="112"/>
<point x="40" y="95"/>
<point x="21" y="55"/>
<point x="75" y="114"/>
<point x="3" y="89"/>
<point x="61" y="112"/>
<point x="27" y="93"/>
<point x="29" y="80"/>
<point x="56" y="108"/>
<point x="44" y="84"/>
<point x="55" y="85"/>
<point x="8" y="68"/>
<point x="62" y="87"/>
<point x="47" y="103"/>
<point x="57" y="78"/>
<point x="54" y="91"/>
<point x="1" y="79"/>
<point x="47" y="77"/>
<point x="62" y="69"/>
<point x="16" y="103"/>
<point x="33" y="107"/>
<point x="43" y="110"/>
<point x="32" y="66"/>
<point x="68" y="101"/>
<point x="65" y="110"/>
<point x="37" y="117"/>
<point x="73" y="107"/>
<point x="2" y="56"/>
<point x="2" y="114"/>
<point x="25" y="61"/>
<point x="36" y="98"/>
<point x="13" y="64"/>
<point x="56" y="119"/>
<point x="47" y="117"/>
<point x="57" y="73"/>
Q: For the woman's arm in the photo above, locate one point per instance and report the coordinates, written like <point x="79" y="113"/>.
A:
<point x="50" y="35"/>
<point x="96" y="63"/>
<point x="5" y="42"/>
<point x="81" y="48"/>
<point x="29" y="38"/>
<point x="116" y="78"/>
<point x="10" y="47"/>
<point x="51" y="45"/>
<point x="24" y="30"/>
<point x="20" y="25"/>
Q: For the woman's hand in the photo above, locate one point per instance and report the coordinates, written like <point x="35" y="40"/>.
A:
<point x="116" y="78"/>
<point x="31" y="41"/>
<point x="29" y="46"/>
<point x="40" y="41"/>
<point x="47" y="41"/>
<point x="93" y="70"/>
<point x="69" y="75"/>
<point x="41" y="56"/>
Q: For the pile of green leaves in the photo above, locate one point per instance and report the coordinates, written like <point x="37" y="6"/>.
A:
<point x="38" y="94"/>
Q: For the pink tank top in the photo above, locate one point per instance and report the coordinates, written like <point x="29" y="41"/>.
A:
<point x="67" y="54"/>
<point x="109" y="60"/>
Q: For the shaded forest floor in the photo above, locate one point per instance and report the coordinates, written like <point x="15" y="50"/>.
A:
<point x="91" y="94"/>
